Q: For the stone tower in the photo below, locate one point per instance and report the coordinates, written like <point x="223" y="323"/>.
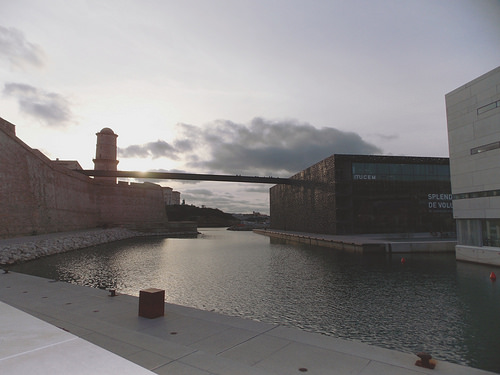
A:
<point x="105" y="153"/>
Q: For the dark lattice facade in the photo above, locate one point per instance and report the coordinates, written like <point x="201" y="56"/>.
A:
<point x="358" y="194"/>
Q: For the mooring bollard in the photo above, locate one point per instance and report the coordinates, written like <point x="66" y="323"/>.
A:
<point x="425" y="360"/>
<point x="151" y="303"/>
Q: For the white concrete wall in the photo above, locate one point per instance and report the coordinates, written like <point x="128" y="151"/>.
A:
<point x="467" y="130"/>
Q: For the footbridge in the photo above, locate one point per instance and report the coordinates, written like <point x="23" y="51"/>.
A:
<point x="191" y="176"/>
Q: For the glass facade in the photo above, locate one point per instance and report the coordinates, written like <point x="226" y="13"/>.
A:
<point x="400" y="172"/>
<point x="478" y="232"/>
<point x="363" y="194"/>
<point x="491" y="232"/>
<point x="395" y="197"/>
<point x="469" y="232"/>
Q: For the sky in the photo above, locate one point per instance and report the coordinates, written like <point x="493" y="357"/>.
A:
<point x="248" y="87"/>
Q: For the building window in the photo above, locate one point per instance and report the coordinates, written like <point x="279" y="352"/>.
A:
<point x="477" y="194"/>
<point x="491" y="232"/>
<point x="478" y="232"/>
<point x="400" y="172"/>
<point x="484" y="148"/>
<point x="469" y="232"/>
<point x="488" y="107"/>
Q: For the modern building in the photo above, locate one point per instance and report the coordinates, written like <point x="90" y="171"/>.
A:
<point x="366" y="194"/>
<point x="176" y="198"/>
<point x="167" y="195"/>
<point x="473" y="115"/>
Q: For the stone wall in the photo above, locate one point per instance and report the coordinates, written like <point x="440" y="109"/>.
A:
<point x="133" y="205"/>
<point x="38" y="196"/>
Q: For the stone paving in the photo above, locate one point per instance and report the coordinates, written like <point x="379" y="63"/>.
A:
<point x="32" y="346"/>
<point x="191" y="341"/>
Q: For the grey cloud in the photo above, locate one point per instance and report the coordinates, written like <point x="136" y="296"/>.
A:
<point x="17" y="50"/>
<point x="263" y="189"/>
<point x="262" y="147"/>
<point x="134" y="151"/>
<point x="50" y="108"/>
<point x="204" y="192"/>
<point x="285" y="146"/>
<point x="183" y="145"/>
<point x="155" y="150"/>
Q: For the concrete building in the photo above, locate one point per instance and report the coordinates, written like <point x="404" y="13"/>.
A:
<point x="366" y="194"/>
<point x="171" y="196"/>
<point x="176" y="198"/>
<point x="473" y="116"/>
<point x="167" y="195"/>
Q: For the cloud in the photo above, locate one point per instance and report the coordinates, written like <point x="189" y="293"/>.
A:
<point x="155" y="150"/>
<point x="18" y="51"/>
<point x="183" y="145"/>
<point x="50" y="108"/>
<point x="264" y="146"/>
<point x="203" y="192"/>
<point x="261" y="189"/>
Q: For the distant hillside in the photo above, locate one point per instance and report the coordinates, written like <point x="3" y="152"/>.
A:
<point x="205" y="217"/>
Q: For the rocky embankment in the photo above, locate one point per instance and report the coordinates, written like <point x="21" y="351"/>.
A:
<point x="21" y="249"/>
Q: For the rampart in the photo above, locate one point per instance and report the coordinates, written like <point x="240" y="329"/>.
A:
<point x="38" y="196"/>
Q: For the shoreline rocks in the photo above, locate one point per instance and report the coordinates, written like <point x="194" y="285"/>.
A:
<point x="22" y="249"/>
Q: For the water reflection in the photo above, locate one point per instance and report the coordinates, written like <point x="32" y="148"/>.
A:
<point x="430" y="303"/>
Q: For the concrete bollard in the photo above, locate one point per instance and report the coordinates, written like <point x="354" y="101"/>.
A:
<point x="151" y="303"/>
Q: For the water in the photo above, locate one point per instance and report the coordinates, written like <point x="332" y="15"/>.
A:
<point x="432" y="303"/>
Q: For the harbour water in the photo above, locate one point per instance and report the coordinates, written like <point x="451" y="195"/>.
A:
<point x="428" y="303"/>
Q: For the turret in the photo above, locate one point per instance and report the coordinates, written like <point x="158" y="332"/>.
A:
<point x="105" y="153"/>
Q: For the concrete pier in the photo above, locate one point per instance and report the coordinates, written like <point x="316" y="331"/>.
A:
<point x="104" y="334"/>
<point x="371" y="243"/>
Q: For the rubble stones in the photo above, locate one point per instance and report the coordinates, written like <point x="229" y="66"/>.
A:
<point x="27" y="248"/>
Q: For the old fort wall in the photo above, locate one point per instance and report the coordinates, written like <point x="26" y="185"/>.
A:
<point x="38" y="196"/>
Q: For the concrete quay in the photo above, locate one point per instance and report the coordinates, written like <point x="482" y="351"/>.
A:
<point x="371" y="243"/>
<point x="101" y="334"/>
<point x="483" y="255"/>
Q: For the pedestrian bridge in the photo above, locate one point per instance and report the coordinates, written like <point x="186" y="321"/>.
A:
<point x="192" y="176"/>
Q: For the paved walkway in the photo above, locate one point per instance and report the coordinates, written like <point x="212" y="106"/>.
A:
<point x="32" y="346"/>
<point x="190" y="341"/>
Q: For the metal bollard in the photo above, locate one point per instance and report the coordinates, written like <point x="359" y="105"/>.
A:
<point x="425" y="360"/>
